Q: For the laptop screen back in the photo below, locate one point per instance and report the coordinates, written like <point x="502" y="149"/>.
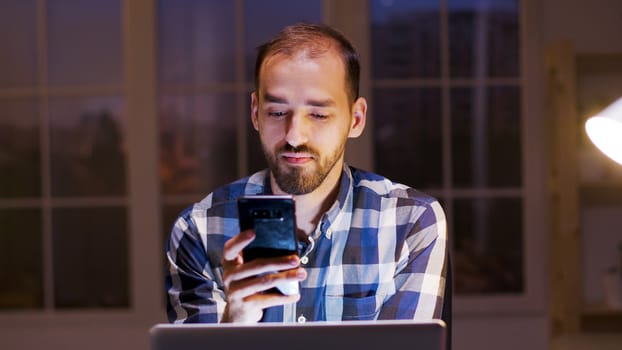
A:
<point x="359" y="335"/>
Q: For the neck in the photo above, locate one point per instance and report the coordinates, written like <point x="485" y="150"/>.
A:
<point x="311" y="206"/>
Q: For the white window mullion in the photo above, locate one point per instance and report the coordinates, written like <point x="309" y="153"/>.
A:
<point x="241" y="96"/>
<point x="447" y="193"/>
<point x="139" y="44"/>
<point x="352" y="18"/>
<point x="44" y="132"/>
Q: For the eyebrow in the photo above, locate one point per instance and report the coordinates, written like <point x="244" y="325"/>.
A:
<point x="274" y="99"/>
<point x="269" y="98"/>
<point x="321" y="103"/>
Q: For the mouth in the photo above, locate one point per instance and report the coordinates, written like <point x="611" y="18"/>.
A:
<point x="296" y="158"/>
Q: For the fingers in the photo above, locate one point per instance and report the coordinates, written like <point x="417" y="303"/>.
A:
<point x="242" y="289"/>
<point x="265" y="265"/>
<point x="251" y="271"/>
<point x="263" y="301"/>
<point x="250" y="310"/>
<point x="233" y="247"/>
<point x="235" y="268"/>
<point x="245" y="282"/>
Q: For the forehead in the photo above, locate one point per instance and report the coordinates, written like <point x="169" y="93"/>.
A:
<point x="324" y="70"/>
<point x="327" y="56"/>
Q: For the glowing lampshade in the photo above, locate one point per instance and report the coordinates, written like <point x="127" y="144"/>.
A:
<point x="605" y="130"/>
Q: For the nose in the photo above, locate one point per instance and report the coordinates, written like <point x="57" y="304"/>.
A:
<point x="297" y="129"/>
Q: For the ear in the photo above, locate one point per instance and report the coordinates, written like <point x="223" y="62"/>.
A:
<point x="359" y="117"/>
<point x="255" y="110"/>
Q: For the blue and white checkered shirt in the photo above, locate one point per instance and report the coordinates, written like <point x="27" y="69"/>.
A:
<point x="380" y="252"/>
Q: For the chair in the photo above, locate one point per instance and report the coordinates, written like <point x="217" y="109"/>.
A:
<point x="446" y="312"/>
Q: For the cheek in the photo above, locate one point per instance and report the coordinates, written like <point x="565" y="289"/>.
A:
<point x="269" y="130"/>
<point x="270" y="135"/>
<point x="335" y="134"/>
<point x="329" y="141"/>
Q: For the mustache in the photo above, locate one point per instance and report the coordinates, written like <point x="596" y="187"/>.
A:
<point x="298" y="149"/>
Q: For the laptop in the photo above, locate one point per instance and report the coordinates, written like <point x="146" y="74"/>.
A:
<point x="359" y="335"/>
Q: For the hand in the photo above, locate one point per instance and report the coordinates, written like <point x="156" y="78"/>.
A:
<point x="243" y="287"/>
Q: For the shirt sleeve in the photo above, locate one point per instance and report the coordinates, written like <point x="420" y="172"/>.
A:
<point x="420" y="277"/>
<point x="193" y="292"/>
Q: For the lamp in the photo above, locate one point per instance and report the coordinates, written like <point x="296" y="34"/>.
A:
<point x="605" y="130"/>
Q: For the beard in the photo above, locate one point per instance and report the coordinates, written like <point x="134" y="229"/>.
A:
<point x="301" y="180"/>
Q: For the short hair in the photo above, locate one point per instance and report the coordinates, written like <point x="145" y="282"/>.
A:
<point x="313" y="40"/>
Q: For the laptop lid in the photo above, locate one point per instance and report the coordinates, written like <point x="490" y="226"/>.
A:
<point x="359" y="335"/>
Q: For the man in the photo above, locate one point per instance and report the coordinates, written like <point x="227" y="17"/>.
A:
<point x="375" y="249"/>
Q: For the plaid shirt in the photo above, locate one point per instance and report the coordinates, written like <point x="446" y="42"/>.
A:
<point x="379" y="253"/>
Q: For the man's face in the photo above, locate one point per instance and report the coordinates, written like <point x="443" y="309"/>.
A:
<point x="304" y="118"/>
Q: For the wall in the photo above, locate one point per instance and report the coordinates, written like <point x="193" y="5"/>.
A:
<point x="600" y="227"/>
<point x="595" y="28"/>
<point x="77" y="337"/>
<point x="507" y="333"/>
<point x="594" y="25"/>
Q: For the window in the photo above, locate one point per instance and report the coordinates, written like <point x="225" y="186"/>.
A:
<point x="86" y="151"/>
<point x="447" y="120"/>
<point x="62" y="159"/>
<point x="206" y="64"/>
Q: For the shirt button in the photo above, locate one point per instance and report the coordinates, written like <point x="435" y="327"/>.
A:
<point x="304" y="260"/>
<point x="302" y="319"/>
<point x="329" y="233"/>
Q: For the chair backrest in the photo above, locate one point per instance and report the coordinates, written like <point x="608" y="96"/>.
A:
<point x="446" y="313"/>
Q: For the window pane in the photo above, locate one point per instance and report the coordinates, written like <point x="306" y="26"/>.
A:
<point x="18" y="39"/>
<point x="90" y="252"/>
<point x="405" y="39"/>
<point x="196" y="41"/>
<point x="19" y="148"/>
<point x="486" y="137"/>
<point x="483" y="38"/>
<point x="87" y="146"/>
<point x="488" y="245"/>
<point x="198" y="142"/>
<point x="258" y="29"/>
<point x="21" y="259"/>
<point x="84" y="42"/>
<point x="408" y="142"/>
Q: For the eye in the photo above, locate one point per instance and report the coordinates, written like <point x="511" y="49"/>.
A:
<point x="277" y="114"/>
<point x="319" y="116"/>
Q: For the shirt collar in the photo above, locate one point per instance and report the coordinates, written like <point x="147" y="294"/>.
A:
<point x="343" y="198"/>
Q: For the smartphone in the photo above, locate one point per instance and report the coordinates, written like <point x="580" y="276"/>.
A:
<point x="274" y="221"/>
